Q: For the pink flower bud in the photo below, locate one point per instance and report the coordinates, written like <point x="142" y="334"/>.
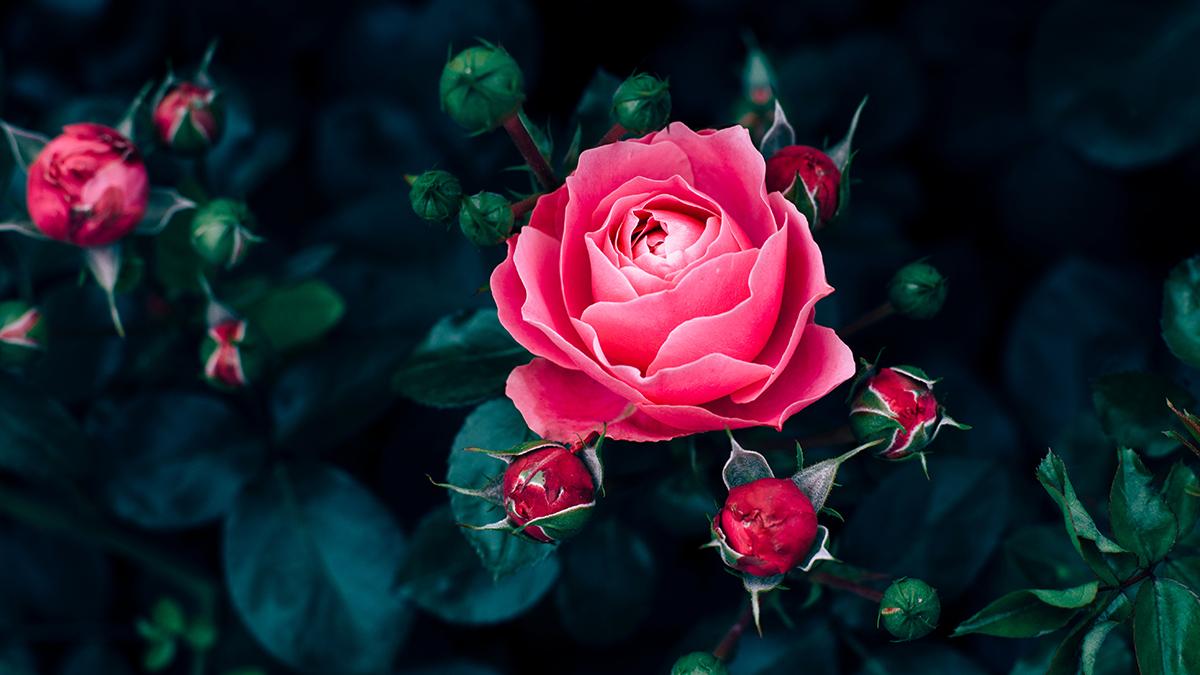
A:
<point x="770" y="522"/>
<point x="88" y="186"/>
<point x="544" y="483"/>
<point x="189" y="117"/>
<point x="814" y="168"/>
<point x="229" y="354"/>
<point x="898" y="405"/>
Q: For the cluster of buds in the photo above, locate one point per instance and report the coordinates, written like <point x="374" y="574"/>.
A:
<point x="816" y="181"/>
<point x="896" y="406"/>
<point x="767" y="526"/>
<point x="482" y="89"/>
<point x="547" y="490"/>
<point x="22" y="333"/>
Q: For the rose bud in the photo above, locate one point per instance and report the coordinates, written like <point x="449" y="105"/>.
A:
<point x="88" y="186"/>
<point x="910" y="609"/>
<point x="917" y="291"/>
<point x="486" y="218"/>
<point x="481" y="87"/>
<point x="897" y="405"/>
<point x="770" y="522"/>
<point x="189" y="118"/>
<point x="699" y="663"/>
<point x="22" y="333"/>
<point x="642" y="103"/>
<point x="797" y="168"/>
<point x="230" y="355"/>
<point x="221" y="232"/>
<point x="544" y="483"/>
<point x="435" y="195"/>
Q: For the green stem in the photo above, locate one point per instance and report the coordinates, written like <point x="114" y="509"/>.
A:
<point x="844" y="584"/>
<point x="869" y="319"/>
<point x="727" y="644"/>
<point x="613" y="135"/>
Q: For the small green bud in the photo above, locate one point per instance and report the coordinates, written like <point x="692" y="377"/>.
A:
<point x="167" y="615"/>
<point x="699" y="663"/>
<point x="481" y="87"/>
<point x="436" y="196"/>
<point x="642" y="103"/>
<point x="486" y="218"/>
<point x="917" y="291"/>
<point x="222" y="232"/>
<point x="22" y="333"/>
<point x="910" y="609"/>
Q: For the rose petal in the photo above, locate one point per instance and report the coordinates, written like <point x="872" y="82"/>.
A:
<point x="561" y="404"/>
<point x="632" y="332"/>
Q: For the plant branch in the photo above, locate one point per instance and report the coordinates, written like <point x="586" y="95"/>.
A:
<point x="529" y="150"/>
<point x="525" y="205"/>
<point x="869" y="319"/>
<point x="613" y="135"/>
<point x="727" y="644"/>
<point x="843" y="584"/>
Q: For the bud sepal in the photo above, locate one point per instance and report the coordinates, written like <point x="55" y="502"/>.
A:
<point x="22" y="333"/>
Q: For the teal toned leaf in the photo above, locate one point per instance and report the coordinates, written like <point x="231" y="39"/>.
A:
<point x="38" y="437"/>
<point x="494" y="424"/>
<point x="444" y="577"/>
<point x="1182" y="494"/>
<point x="607" y="586"/>
<point x="1141" y="521"/>
<point x="293" y="316"/>
<point x="465" y="358"/>
<point x="1181" y="311"/>
<point x="1029" y="613"/>
<point x="1166" y="629"/>
<point x="1184" y="569"/>
<point x="1132" y="409"/>
<point x="309" y="558"/>
<point x="1081" y="529"/>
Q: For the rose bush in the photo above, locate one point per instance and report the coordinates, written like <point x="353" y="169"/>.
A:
<point x="666" y="292"/>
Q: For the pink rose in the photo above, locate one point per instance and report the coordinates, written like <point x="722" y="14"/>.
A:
<point x="667" y="293"/>
<point x="189" y="118"/>
<point x="87" y="187"/>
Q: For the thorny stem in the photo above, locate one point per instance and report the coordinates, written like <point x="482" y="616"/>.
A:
<point x="725" y="647"/>
<point x="529" y="150"/>
<point x="612" y="135"/>
<point x="867" y="320"/>
<point x="524" y="206"/>
<point x="840" y="583"/>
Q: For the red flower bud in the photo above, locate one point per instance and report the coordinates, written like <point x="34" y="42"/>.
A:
<point x="543" y="483"/>
<point x="189" y="117"/>
<point x="817" y="171"/>
<point x="230" y="355"/>
<point x="898" y="405"/>
<point x="87" y="187"/>
<point x="770" y="522"/>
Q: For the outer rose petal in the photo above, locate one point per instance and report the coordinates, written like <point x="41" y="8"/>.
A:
<point x="558" y="403"/>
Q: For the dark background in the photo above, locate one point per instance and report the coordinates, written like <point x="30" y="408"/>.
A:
<point x="1042" y="155"/>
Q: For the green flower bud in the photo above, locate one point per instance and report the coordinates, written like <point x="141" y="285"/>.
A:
<point x="1181" y="311"/>
<point x="699" y="663"/>
<point x="486" y="218"/>
<point x="435" y="196"/>
<point x="22" y="333"/>
<point x="910" y="609"/>
<point x="917" y="291"/>
<point x="221" y="232"/>
<point x="481" y="87"/>
<point x="642" y="103"/>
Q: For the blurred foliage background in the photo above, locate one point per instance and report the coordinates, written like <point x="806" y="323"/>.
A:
<point x="1041" y="154"/>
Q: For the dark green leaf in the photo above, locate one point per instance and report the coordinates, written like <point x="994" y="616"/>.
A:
<point x="1133" y="411"/>
<point x="464" y="359"/>
<point x="608" y="584"/>
<point x="1166" y="629"/>
<point x="1182" y="494"/>
<point x="1081" y="529"/>
<point x="1184" y="569"/>
<point x="1141" y="521"/>
<point x="1181" y="311"/>
<point x="176" y="264"/>
<point x="494" y="424"/>
<point x="176" y="459"/>
<point x="445" y="578"/>
<point x="38" y="438"/>
<point x="309" y="558"/>
<point x="1029" y="613"/>
<point x="920" y="659"/>
<point x="293" y="316"/>
<point x="1044" y="558"/>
